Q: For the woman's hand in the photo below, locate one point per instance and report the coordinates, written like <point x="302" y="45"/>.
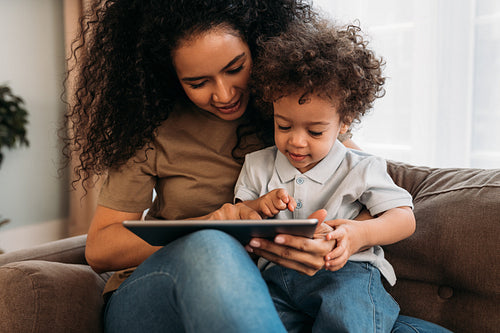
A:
<point x="229" y="211"/>
<point x="299" y="253"/>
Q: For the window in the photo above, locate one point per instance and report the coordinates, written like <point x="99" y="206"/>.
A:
<point x="442" y="102"/>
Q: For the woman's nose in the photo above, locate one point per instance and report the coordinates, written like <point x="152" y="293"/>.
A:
<point x="223" y="92"/>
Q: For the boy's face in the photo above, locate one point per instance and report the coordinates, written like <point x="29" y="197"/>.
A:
<point x="306" y="132"/>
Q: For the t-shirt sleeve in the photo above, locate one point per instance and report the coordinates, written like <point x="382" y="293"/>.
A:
<point x="381" y="193"/>
<point x="255" y="174"/>
<point x="130" y="188"/>
<point x="245" y="185"/>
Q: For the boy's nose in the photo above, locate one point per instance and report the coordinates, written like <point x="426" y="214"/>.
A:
<point x="297" y="140"/>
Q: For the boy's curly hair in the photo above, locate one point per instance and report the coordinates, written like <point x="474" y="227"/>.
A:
<point x="126" y="85"/>
<point x="331" y="62"/>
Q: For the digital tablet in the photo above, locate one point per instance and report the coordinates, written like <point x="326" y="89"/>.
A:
<point x="161" y="232"/>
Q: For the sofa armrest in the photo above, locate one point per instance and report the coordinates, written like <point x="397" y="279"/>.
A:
<point x="50" y="288"/>
<point x="69" y="250"/>
<point x="44" y="296"/>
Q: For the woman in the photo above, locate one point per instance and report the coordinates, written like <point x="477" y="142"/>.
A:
<point x="162" y="102"/>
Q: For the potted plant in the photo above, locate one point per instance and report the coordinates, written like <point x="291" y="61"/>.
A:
<point x="13" y="120"/>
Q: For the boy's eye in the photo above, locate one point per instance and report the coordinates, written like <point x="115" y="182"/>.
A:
<point x="283" y="128"/>
<point x="315" y="133"/>
<point x="236" y="70"/>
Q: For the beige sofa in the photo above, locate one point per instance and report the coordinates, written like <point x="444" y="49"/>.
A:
<point x="448" y="271"/>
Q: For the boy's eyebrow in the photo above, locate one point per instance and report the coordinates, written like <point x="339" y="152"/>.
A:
<point x="229" y="64"/>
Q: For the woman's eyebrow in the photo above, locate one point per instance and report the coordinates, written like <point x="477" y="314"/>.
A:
<point x="229" y="64"/>
<point x="232" y="62"/>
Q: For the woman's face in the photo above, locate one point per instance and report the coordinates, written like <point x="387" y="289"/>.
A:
<point x="213" y="69"/>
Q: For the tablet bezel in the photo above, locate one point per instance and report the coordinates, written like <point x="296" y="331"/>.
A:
<point x="162" y="232"/>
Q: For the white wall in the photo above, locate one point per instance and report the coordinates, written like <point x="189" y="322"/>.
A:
<point x="32" y="192"/>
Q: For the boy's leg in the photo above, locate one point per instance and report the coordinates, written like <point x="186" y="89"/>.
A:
<point x="204" y="282"/>
<point x="352" y="299"/>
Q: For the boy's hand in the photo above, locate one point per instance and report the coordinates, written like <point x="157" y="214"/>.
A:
<point x="275" y="201"/>
<point x="346" y="235"/>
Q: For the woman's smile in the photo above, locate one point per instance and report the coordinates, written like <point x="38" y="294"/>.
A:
<point x="230" y="108"/>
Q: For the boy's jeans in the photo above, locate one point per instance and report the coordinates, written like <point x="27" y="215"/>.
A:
<point x="352" y="299"/>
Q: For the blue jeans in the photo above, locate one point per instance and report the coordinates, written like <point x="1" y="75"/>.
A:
<point x="205" y="282"/>
<point x="352" y="299"/>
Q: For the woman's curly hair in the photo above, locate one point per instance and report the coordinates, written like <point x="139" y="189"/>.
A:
<point x="323" y="59"/>
<point x="126" y="85"/>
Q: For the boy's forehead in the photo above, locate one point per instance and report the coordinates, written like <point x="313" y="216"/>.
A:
<point x="297" y="108"/>
<point x="302" y="98"/>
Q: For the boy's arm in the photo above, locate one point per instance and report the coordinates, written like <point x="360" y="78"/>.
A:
<point x="353" y="236"/>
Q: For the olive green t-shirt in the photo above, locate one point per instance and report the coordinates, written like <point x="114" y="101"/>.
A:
<point x="189" y="164"/>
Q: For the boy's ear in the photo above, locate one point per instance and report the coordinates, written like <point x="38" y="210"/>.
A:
<point x="344" y="128"/>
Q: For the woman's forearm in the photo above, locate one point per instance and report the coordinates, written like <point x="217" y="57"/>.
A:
<point x="110" y="246"/>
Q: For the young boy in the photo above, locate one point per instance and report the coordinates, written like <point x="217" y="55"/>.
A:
<point x="316" y="80"/>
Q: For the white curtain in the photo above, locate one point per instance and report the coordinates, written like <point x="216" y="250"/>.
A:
<point x="82" y="204"/>
<point x="442" y="103"/>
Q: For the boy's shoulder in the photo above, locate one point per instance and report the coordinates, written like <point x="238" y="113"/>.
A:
<point x="361" y="159"/>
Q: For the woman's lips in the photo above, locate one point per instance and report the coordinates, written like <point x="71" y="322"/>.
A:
<point x="230" y="108"/>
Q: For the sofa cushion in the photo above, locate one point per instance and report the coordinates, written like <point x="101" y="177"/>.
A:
<point x="42" y="296"/>
<point x="448" y="269"/>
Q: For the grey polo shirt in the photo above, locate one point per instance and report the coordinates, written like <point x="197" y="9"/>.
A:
<point x="343" y="183"/>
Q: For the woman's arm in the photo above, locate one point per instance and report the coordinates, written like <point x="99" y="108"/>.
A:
<point x="110" y="246"/>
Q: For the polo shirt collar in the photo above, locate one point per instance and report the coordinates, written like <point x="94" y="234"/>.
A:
<point x="320" y="173"/>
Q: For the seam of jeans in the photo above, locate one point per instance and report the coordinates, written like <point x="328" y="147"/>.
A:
<point x="370" y="285"/>
<point x="285" y="282"/>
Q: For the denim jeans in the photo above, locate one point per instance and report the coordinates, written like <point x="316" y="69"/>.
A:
<point x="351" y="299"/>
<point x="206" y="282"/>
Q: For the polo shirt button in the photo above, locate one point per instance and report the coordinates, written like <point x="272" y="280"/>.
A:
<point x="299" y="204"/>
<point x="300" y="181"/>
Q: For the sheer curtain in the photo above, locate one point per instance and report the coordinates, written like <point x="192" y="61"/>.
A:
<point x="81" y="205"/>
<point x="442" y="102"/>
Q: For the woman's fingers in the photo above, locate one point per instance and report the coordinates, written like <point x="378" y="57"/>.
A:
<point x="303" y="254"/>
<point x="238" y="211"/>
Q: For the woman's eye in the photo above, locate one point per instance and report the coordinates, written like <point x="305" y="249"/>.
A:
<point x="315" y="133"/>
<point x="236" y="70"/>
<point x="197" y="85"/>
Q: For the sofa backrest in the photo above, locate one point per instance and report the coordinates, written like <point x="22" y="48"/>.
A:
<point x="448" y="270"/>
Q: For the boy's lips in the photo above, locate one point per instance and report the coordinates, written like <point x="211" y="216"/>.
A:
<point x="297" y="157"/>
<point x="231" y="108"/>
